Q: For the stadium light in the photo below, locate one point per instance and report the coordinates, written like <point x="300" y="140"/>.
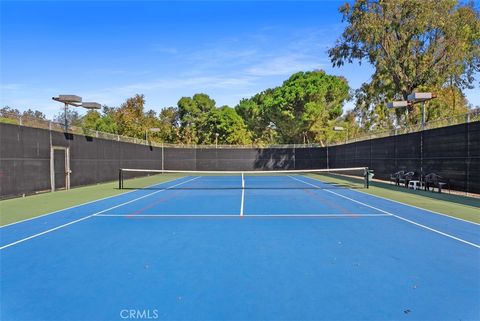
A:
<point x="420" y="97"/>
<point x="91" y="105"/>
<point x="154" y="129"/>
<point x="414" y="98"/>
<point x="398" y="104"/>
<point x="74" y="100"/>
<point x="341" y="129"/>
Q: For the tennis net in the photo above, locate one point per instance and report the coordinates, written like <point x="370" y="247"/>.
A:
<point x="357" y="177"/>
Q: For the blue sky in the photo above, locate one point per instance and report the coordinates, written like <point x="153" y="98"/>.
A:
<point x="109" y="51"/>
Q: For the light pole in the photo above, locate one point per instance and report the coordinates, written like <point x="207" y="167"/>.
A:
<point x="421" y="98"/>
<point x="341" y="129"/>
<point x="414" y="98"/>
<point x="154" y="129"/>
<point x="216" y="140"/>
<point x="76" y="101"/>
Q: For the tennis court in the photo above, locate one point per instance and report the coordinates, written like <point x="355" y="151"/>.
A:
<point x="259" y="247"/>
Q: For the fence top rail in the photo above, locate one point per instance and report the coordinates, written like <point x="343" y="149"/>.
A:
<point x="472" y="116"/>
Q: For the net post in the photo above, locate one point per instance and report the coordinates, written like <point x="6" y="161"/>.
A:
<point x="163" y="158"/>
<point x="120" y="179"/>
<point x="367" y="177"/>
<point x="243" y="180"/>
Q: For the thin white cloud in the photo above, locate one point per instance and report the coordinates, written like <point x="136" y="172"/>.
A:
<point x="283" y="66"/>
<point x="167" y="91"/>
<point x="178" y="83"/>
<point x="166" y="50"/>
<point x="11" y="87"/>
<point x="221" y="54"/>
<point x="251" y="55"/>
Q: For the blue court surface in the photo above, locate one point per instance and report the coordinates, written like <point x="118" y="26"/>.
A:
<point x="182" y="251"/>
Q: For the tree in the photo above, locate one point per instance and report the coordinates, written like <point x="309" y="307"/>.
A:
<point x="169" y="125"/>
<point x="371" y="109"/>
<point x="9" y="115"/>
<point x="200" y="121"/>
<point x="299" y="111"/>
<point x="130" y="118"/>
<point x="450" y="102"/>
<point x="73" y="117"/>
<point x="9" y="112"/>
<point x="252" y="112"/>
<point x="229" y="126"/>
<point x="412" y="44"/>
<point x="91" y="120"/>
<point x="34" y="114"/>
<point x="193" y="113"/>
<point x="104" y="122"/>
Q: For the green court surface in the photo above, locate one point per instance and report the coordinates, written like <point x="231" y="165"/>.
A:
<point x="459" y="206"/>
<point x="18" y="209"/>
<point x="14" y="210"/>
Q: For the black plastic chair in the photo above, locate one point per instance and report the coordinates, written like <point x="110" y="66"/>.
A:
<point x="434" y="180"/>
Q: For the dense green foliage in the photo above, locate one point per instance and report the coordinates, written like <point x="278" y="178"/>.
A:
<point x="414" y="45"/>
<point x="196" y="120"/>
<point x="201" y="122"/>
<point x="300" y="111"/>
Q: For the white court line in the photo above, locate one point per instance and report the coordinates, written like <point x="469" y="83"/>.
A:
<point x="246" y="215"/>
<point x="94" y="214"/>
<point x="361" y="203"/>
<point x="405" y="204"/>
<point x="423" y="209"/>
<point x="399" y="217"/>
<point x="166" y="215"/>
<point x="314" y="215"/>
<point x="86" y="203"/>
<point x="242" y="201"/>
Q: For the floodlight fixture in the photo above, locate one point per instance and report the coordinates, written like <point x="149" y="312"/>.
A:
<point x="420" y="97"/>
<point x="412" y="99"/>
<point x="68" y="99"/>
<point x="341" y="129"/>
<point x="153" y="129"/>
<point x="91" y="105"/>
<point x="398" y="104"/>
<point x="74" y="100"/>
